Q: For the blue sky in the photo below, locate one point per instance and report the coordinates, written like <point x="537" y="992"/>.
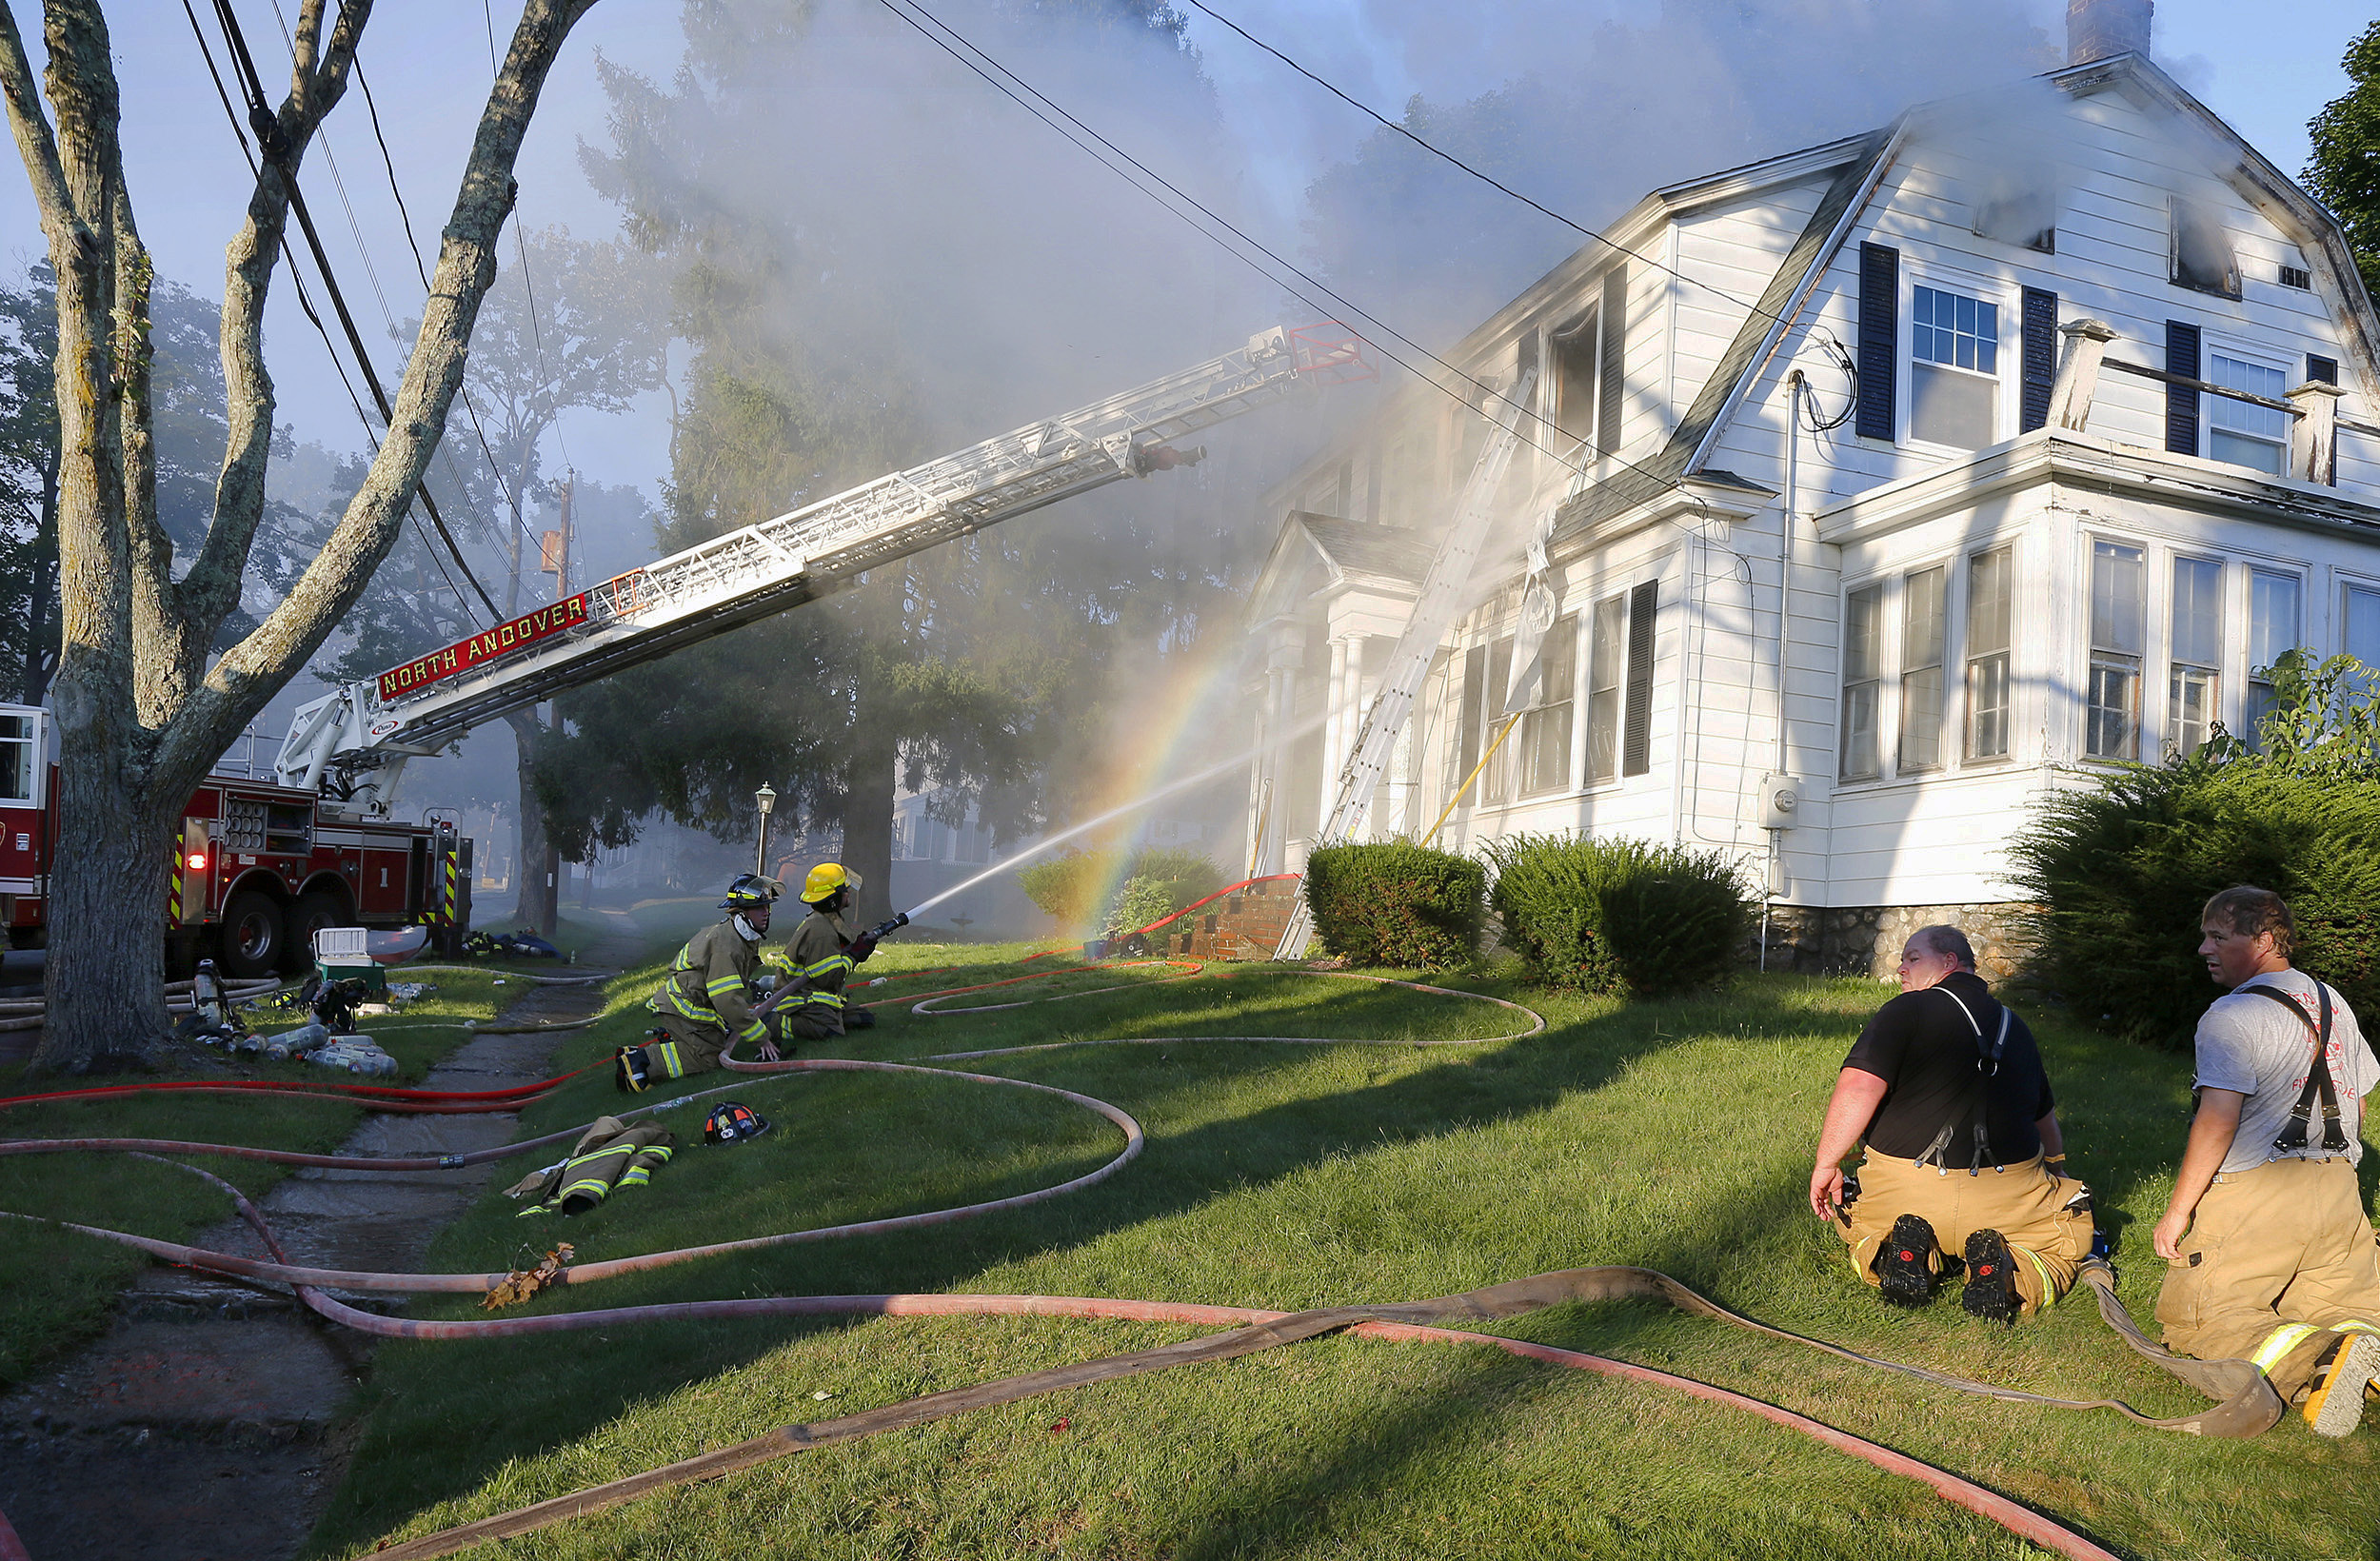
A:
<point x="428" y="63"/>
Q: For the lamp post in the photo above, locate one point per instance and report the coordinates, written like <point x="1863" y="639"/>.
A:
<point x="767" y="797"/>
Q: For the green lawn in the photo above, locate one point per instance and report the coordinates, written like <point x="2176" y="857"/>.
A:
<point x="1670" y="1135"/>
<point x="56" y="1288"/>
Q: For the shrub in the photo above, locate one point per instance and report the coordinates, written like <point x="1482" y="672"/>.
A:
<point x="1063" y="886"/>
<point x="1617" y="916"/>
<point x="2122" y="869"/>
<point x="1396" y="903"/>
<point x="1159" y="882"/>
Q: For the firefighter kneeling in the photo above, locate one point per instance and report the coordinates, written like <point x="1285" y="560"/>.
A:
<point x="818" y="958"/>
<point x="709" y="997"/>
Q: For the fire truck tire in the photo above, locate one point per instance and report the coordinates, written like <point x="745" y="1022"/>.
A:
<point x="253" y="934"/>
<point x="315" y="910"/>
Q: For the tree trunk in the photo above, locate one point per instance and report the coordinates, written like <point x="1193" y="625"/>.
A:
<point x="41" y="657"/>
<point x="868" y="778"/>
<point x="539" y="906"/>
<point x="110" y="883"/>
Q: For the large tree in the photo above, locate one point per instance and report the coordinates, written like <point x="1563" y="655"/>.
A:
<point x="2343" y="168"/>
<point x="142" y="706"/>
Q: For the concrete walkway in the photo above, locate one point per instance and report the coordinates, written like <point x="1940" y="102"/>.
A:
<point x="206" y="1425"/>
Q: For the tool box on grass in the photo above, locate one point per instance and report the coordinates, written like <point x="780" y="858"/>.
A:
<point x="341" y="954"/>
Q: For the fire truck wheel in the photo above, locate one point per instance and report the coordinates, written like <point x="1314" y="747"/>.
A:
<point x="253" y="935"/>
<point x="314" y="911"/>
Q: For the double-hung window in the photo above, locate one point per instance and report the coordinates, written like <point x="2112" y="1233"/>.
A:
<point x="1863" y="680"/>
<point x="1545" y="730"/>
<point x="2363" y="633"/>
<point x="1990" y="621"/>
<point x="1953" y="368"/>
<point x="2241" y="432"/>
<point x="1924" y="598"/>
<point x="2195" y="679"/>
<point x="1607" y="670"/>
<point x="2273" y="619"/>
<point x="2112" y="710"/>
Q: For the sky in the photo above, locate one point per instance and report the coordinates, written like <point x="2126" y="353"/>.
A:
<point x="428" y="65"/>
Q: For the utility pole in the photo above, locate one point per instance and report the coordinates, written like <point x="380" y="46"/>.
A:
<point x="561" y="567"/>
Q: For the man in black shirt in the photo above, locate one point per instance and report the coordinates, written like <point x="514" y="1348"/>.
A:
<point x="1946" y="1088"/>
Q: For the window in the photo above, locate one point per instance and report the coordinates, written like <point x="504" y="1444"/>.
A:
<point x="1496" y="786"/>
<point x="1954" y="366"/>
<point x="2027" y="218"/>
<point x="2202" y="251"/>
<point x="2271" y="634"/>
<point x="1990" y="619"/>
<point x="2363" y="633"/>
<point x="16" y="759"/>
<point x="1466" y="745"/>
<point x="1923" y="599"/>
<point x="2111" y="715"/>
<point x="1607" y="663"/>
<point x="1545" y="730"/>
<point x="2238" y="431"/>
<point x="1863" y="677"/>
<point x="1574" y="381"/>
<point x="2193" y="682"/>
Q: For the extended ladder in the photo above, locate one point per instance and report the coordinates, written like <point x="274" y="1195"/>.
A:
<point x="358" y="738"/>
<point x="1434" y="612"/>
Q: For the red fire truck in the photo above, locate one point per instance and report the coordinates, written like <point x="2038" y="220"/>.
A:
<point x="259" y="867"/>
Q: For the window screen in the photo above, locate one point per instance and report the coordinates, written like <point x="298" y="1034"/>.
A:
<point x="2112" y="698"/>
<point x="1923" y="596"/>
<point x="1990" y="622"/>
<point x="1607" y="668"/>
<point x="1544" y="735"/>
<point x="1863" y="675"/>
<point x="2193" y="680"/>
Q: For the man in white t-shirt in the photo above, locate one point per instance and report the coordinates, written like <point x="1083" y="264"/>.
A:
<point x="2271" y="1254"/>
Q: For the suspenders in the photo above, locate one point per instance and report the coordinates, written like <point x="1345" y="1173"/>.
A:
<point x="2292" y="1135"/>
<point x="1987" y="1066"/>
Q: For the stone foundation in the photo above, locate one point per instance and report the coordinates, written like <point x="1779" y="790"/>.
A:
<point x="1866" y="940"/>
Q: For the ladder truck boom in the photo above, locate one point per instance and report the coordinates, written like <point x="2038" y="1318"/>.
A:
<point x="352" y="743"/>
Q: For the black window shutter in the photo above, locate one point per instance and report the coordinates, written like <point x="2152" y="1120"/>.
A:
<point x="1635" y="743"/>
<point x="1879" y="338"/>
<point x="2321" y="371"/>
<point x="1474" y="695"/>
<point x="1612" y="376"/>
<point x="2181" y="402"/>
<point x="2040" y="364"/>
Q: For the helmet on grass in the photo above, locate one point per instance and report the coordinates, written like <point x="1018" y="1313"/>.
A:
<point x="732" y="1122"/>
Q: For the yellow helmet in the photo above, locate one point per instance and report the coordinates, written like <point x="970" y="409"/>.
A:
<point x="825" y="879"/>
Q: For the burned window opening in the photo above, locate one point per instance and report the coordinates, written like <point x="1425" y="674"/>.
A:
<point x="2203" y="261"/>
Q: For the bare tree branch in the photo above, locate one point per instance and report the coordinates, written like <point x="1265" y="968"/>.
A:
<point x="30" y="126"/>
<point x="239" y="685"/>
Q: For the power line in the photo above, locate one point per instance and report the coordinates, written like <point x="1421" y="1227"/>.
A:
<point x="1435" y="150"/>
<point x="271" y="142"/>
<point x="902" y="10"/>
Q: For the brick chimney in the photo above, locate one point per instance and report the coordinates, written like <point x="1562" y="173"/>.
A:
<point x="2096" y="28"/>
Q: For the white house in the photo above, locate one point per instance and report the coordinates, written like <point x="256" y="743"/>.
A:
<point x="2099" y="368"/>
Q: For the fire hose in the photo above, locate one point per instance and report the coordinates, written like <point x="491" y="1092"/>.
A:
<point x="2249" y="1405"/>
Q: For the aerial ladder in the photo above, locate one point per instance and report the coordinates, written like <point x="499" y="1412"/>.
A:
<point x="1443" y="596"/>
<point x="351" y="746"/>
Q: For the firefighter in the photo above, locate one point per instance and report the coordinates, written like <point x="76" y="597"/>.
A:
<point x="708" y="997"/>
<point x="818" y="957"/>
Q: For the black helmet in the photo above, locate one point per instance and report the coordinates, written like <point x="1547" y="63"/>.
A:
<point x="730" y="1122"/>
<point x="750" y="891"/>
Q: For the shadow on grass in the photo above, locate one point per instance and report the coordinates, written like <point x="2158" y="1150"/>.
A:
<point x="557" y="1391"/>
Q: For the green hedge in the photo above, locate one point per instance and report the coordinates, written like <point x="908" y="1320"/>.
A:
<point x="1618" y="916"/>
<point x="2122" y="870"/>
<point x="1396" y="903"/>
<point x="1149" y="886"/>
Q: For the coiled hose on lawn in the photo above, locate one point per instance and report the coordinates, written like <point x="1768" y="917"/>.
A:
<point x="2248" y="1403"/>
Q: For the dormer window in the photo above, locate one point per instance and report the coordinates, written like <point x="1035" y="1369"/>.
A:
<point x="2202" y="251"/>
<point x="1953" y="368"/>
<point x="2025" y="218"/>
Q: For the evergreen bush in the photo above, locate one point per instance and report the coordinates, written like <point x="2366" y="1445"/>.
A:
<point x="1618" y="916"/>
<point x="1396" y="903"/>
<point x="1157" y="883"/>
<point x="2122" y="869"/>
<point x="1064" y="887"/>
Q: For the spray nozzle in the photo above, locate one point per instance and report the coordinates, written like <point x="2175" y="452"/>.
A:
<point x="894" y="925"/>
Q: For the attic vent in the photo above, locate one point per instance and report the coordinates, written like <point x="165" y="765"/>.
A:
<point x="2296" y="276"/>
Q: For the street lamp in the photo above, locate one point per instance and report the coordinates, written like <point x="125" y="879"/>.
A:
<point x="767" y="797"/>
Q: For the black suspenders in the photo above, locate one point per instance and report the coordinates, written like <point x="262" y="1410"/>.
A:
<point x="2292" y="1136"/>
<point x="1987" y="1066"/>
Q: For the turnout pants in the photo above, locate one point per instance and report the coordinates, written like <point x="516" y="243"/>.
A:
<point x="691" y="1048"/>
<point x="2023" y="1202"/>
<point x="2278" y="1263"/>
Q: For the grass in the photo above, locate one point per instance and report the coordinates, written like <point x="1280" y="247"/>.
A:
<point x="1670" y="1134"/>
<point x="58" y="1288"/>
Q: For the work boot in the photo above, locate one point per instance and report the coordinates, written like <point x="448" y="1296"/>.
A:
<point x="1905" y="1265"/>
<point x="856" y="1018"/>
<point x="1990" y="1292"/>
<point x="2336" y="1405"/>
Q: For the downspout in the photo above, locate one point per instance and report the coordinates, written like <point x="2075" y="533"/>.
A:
<point x="1784" y="635"/>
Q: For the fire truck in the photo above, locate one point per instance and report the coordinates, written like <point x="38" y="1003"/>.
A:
<point x="262" y="864"/>
<point x="259" y="866"/>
